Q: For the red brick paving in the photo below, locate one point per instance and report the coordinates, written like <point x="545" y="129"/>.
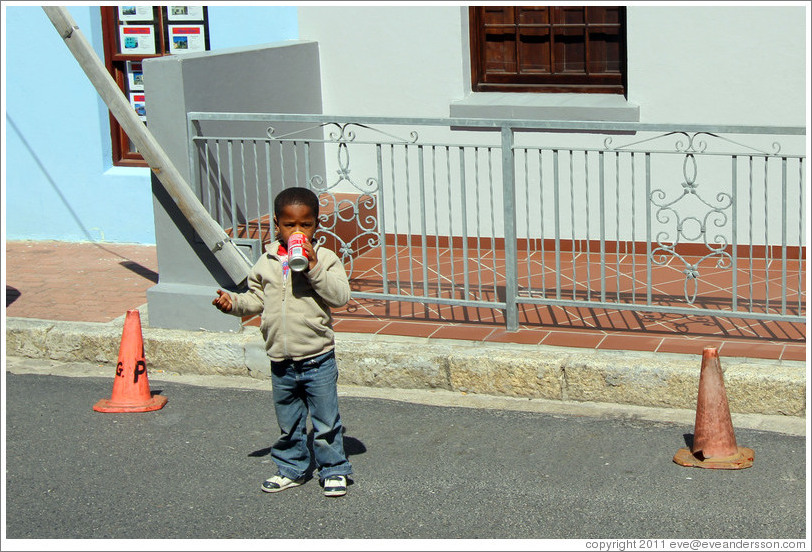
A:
<point x="77" y="282"/>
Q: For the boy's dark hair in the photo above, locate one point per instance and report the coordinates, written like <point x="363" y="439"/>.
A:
<point x="296" y="196"/>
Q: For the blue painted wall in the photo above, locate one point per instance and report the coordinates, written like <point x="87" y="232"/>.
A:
<point x="58" y="176"/>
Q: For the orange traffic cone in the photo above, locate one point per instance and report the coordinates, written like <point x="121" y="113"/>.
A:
<point x="714" y="443"/>
<point x="131" y="386"/>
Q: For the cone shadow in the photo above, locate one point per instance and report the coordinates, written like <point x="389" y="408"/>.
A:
<point x="689" y="440"/>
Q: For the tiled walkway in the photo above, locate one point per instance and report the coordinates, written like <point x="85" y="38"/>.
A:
<point x="78" y="282"/>
<point x="99" y="282"/>
<point x="589" y="327"/>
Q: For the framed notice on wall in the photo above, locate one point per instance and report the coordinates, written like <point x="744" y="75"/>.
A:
<point x="135" y="76"/>
<point x="185" y="13"/>
<point x="137" y="39"/>
<point x="184" y="39"/>
<point x="134" y="33"/>
<point x="135" y="13"/>
<point x="138" y="101"/>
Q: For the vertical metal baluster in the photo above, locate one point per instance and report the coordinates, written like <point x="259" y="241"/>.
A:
<point x="193" y="152"/>
<point x="395" y="221"/>
<point x="232" y="191"/>
<point x="269" y="169"/>
<point x="509" y="206"/>
<point x="541" y="223"/>
<point x="436" y="219"/>
<point x="557" y="209"/>
<point x="734" y="235"/>
<point x="381" y="220"/>
<point x="801" y="241"/>
<point x="463" y="196"/>
<point x="308" y="183"/>
<point x="202" y="150"/>
<point x="199" y="176"/>
<point x="784" y="215"/>
<point x="256" y="186"/>
<point x="221" y="213"/>
<point x="572" y="224"/>
<point x="244" y="187"/>
<point x="294" y="146"/>
<point x="602" y="226"/>
<point x="493" y="223"/>
<point x="451" y="252"/>
<point x="477" y="208"/>
<point x="282" y="164"/>
<point x="767" y="248"/>
<point x="423" y="245"/>
<point x="588" y="245"/>
<point x="307" y="162"/>
<point x="648" y="229"/>
<point x="633" y="232"/>
<point x="617" y="225"/>
<point x="750" y="229"/>
<point x="408" y="190"/>
<point x="527" y="221"/>
<point x="212" y="161"/>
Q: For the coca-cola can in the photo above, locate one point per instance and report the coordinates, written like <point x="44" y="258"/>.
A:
<point x="297" y="256"/>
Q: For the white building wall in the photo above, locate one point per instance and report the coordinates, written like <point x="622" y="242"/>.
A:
<point x="743" y="65"/>
<point x="702" y="65"/>
<point x="730" y="65"/>
<point x="397" y="61"/>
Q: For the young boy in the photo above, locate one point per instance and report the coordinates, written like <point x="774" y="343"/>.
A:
<point x="297" y="327"/>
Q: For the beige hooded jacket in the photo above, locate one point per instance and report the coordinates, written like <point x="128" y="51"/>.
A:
<point x="296" y="318"/>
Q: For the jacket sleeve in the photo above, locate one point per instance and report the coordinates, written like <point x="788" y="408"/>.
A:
<point x="251" y="301"/>
<point x="329" y="279"/>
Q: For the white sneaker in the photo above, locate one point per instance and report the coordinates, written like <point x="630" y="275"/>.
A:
<point x="335" y="485"/>
<point x="280" y="483"/>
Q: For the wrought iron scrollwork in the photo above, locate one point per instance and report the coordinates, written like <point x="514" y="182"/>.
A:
<point x="691" y="228"/>
<point x="363" y="210"/>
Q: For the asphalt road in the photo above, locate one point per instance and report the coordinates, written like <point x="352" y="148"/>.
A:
<point x="193" y="471"/>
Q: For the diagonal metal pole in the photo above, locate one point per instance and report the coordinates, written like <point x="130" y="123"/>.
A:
<point x="233" y="261"/>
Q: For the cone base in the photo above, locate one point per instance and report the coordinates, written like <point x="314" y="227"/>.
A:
<point x="108" y="405"/>
<point x="742" y="459"/>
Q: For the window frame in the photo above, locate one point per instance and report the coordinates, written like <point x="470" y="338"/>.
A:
<point x="581" y="82"/>
<point x="116" y="64"/>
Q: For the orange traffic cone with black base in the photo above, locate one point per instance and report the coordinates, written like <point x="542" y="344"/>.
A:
<point x="131" y="391"/>
<point x="714" y="444"/>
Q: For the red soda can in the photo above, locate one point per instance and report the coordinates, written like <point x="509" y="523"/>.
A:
<point x="297" y="256"/>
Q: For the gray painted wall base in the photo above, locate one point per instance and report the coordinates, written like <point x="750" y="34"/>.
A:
<point x="281" y="77"/>
<point x="187" y="307"/>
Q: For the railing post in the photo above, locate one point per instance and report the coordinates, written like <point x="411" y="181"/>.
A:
<point x="511" y="253"/>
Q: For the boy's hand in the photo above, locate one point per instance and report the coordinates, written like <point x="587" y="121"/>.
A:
<point x="223" y="301"/>
<point x="311" y="255"/>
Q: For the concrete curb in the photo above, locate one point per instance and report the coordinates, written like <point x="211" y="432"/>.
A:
<point x="753" y="386"/>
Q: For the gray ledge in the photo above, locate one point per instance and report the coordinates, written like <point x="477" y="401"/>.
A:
<point x="546" y="107"/>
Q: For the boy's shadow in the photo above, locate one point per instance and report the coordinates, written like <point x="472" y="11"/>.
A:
<point x="352" y="447"/>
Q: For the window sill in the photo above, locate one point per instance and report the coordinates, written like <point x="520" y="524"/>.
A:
<point x="545" y="107"/>
<point x="117" y="171"/>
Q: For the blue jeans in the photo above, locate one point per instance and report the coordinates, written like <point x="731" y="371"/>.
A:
<point x="299" y="387"/>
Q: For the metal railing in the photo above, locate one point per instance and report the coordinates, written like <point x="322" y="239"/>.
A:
<point x="626" y="216"/>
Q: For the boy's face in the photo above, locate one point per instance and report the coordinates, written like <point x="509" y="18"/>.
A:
<point x="295" y="218"/>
